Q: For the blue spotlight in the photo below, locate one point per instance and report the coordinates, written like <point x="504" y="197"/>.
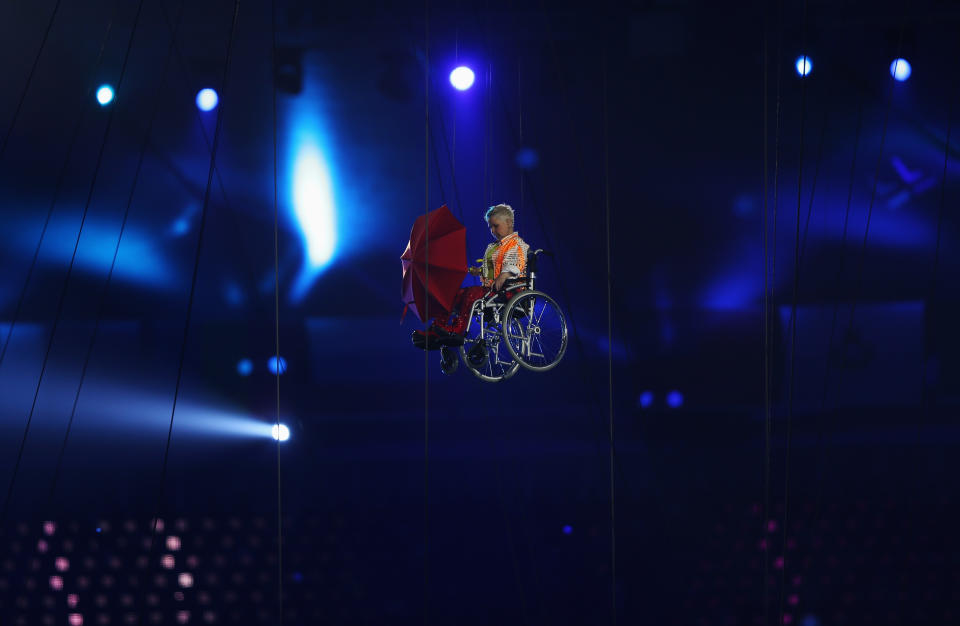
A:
<point x="462" y="78"/>
<point x="272" y="365"/>
<point x="313" y="205"/>
<point x="568" y="530"/>
<point x="104" y="95"/>
<point x="900" y="69"/>
<point x="244" y="367"/>
<point x="280" y="432"/>
<point x="674" y="399"/>
<point x="804" y="65"/>
<point x="207" y="99"/>
<point x="645" y="400"/>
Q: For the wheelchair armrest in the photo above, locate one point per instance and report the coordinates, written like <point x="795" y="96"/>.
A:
<point x="513" y="283"/>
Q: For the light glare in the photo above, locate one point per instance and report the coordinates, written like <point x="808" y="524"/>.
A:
<point x="674" y="399"/>
<point x="804" y="65"/>
<point x="462" y="78"/>
<point x="280" y="432"/>
<point x="272" y="365"/>
<point x="105" y="95"/>
<point x="313" y="205"/>
<point x="244" y="367"/>
<point x="207" y="99"/>
<point x="900" y="69"/>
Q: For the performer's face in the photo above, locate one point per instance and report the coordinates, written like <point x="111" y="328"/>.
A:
<point x="499" y="228"/>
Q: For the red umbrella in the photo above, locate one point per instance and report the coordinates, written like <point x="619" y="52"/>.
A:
<point x="434" y="263"/>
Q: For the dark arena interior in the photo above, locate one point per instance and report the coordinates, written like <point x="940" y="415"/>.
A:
<point x="745" y="410"/>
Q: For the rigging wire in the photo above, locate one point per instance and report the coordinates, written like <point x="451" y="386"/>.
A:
<point x="113" y="263"/>
<point x="613" y="508"/>
<point x="56" y="193"/>
<point x="426" y="317"/>
<point x="193" y="280"/>
<point x="822" y="448"/>
<point x="276" y="305"/>
<point x="26" y="87"/>
<point x="770" y="260"/>
<point x="66" y="280"/>
<point x="793" y="315"/>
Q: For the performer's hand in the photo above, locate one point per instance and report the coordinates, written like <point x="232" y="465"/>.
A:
<point x="501" y="279"/>
<point x="474" y="271"/>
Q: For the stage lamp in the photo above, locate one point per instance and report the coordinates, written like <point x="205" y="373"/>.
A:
<point x="272" y="365"/>
<point x="207" y="99"/>
<point x="462" y="78"/>
<point x="804" y="65"/>
<point x="900" y="69"/>
<point x="104" y="95"/>
<point x="645" y="399"/>
<point x="280" y="432"/>
<point x="674" y="399"/>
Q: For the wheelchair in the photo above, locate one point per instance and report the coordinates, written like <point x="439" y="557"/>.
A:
<point x="516" y="328"/>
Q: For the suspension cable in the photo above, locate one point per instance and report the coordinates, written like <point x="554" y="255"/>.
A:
<point x="193" y="280"/>
<point x="793" y="314"/>
<point x="276" y="308"/>
<point x="56" y="193"/>
<point x="66" y="280"/>
<point x="26" y="87"/>
<point x="613" y="508"/>
<point x="770" y="261"/>
<point x="426" y="317"/>
<point x="113" y="263"/>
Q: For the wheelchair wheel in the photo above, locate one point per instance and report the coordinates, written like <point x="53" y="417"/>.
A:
<point x="487" y="357"/>
<point x="535" y="331"/>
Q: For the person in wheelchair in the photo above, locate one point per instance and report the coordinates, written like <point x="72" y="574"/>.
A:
<point x="503" y="261"/>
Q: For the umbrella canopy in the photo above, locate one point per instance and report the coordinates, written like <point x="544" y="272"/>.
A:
<point x="434" y="263"/>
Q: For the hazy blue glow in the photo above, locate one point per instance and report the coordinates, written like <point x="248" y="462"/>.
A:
<point x="900" y="69"/>
<point x="313" y="205"/>
<point x="674" y="399"/>
<point x="527" y="158"/>
<point x="462" y="78"/>
<point x="140" y="259"/>
<point x="645" y="399"/>
<point x="244" y="367"/>
<point x="207" y="99"/>
<point x="272" y="365"/>
<point x="567" y="530"/>
<point x="280" y="432"/>
<point x="104" y="95"/>
<point x="804" y="65"/>
<point x="180" y="227"/>
<point x="312" y="190"/>
<point x="733" y="292"/>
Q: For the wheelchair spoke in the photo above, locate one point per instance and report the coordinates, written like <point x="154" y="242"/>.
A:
<point x="537" y="332"/>
<point x="536" y="318"/>
<point x="491" y="362"/>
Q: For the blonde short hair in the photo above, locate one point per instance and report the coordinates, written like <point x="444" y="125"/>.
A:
<point x="501" y="210"/>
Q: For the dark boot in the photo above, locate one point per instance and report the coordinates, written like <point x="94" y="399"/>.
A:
<point x="426" y="340"/>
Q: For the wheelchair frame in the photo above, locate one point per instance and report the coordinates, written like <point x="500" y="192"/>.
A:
<point x="492" y="311"/>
